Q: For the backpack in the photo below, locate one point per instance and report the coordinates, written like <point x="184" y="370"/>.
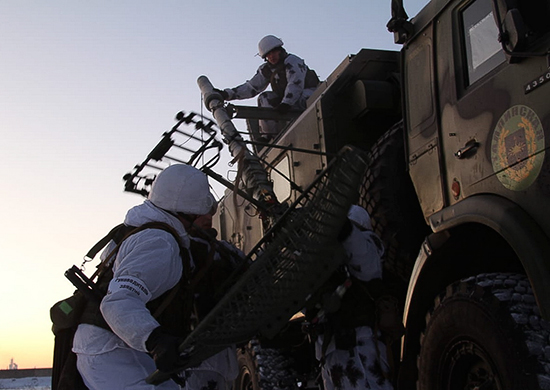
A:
<point x="66" y="313"/>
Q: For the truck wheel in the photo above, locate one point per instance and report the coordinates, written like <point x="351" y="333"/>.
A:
<point x="387" y="193"/>
<point x="248" y="372"/>
<point x="485" y="332"/>
<point x="263" y="369"/>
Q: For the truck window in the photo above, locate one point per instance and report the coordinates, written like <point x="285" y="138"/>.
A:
<point x="480" y="32"/>
<point x="281" y="185"/>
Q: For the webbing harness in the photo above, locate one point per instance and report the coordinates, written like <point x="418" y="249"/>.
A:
<point x="119" y="234"/>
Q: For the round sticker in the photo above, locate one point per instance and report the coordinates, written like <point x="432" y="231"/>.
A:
<point x="517" y="148"/>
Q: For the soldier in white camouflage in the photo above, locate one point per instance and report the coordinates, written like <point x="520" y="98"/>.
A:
<point x="347" y="341"/>
<point x="292" y="83"/>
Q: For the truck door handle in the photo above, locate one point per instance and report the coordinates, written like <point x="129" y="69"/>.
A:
<point x="468" y="149"/>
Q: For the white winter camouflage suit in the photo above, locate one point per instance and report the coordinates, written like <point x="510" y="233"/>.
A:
<point x="151" y="260"/>
<point x="295" y="94"/>
<point x="362" y="367"/>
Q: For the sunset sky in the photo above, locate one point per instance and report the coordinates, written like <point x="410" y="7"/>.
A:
<point x="86" y="90"/>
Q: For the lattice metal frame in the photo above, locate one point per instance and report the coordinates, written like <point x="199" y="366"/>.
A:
<point x="290" y="264"/>
<point x="196" y="146"/>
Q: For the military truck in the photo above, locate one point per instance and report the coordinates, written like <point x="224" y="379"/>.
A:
<point x="457" y="185"/>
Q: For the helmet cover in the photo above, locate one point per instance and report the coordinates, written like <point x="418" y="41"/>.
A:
<point x="268" y="43"/>
<point x="182" y="188"/>
<point x="360" y="216"/>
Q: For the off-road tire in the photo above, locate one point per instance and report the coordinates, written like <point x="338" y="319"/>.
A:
<point x="248" y="378"/>
<point x="387" y="193"/>
<point x="264" y="369"/>
<point x="485" y="332"/>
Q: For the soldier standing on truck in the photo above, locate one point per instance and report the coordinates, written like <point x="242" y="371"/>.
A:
<point x="292" y="83"/>
<point x="346" y="344"/>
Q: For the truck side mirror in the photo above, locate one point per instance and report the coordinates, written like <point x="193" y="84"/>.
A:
<point x="515" y="32"/>
<point x="512" y="29"/>
<point x="399" y="23"/>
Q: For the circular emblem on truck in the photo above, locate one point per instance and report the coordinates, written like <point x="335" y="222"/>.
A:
<point x="517" y="148"/>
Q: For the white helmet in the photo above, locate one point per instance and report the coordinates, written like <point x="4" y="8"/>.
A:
<point x="181" y="188"/>
<point x="360" y="216"/>
<point x="268" y="43"/>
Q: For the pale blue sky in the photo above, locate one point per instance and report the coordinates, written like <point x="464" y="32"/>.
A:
<point x="86" y="90"/>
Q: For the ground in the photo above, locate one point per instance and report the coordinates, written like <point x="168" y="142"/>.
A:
<point x="31" y="383"/>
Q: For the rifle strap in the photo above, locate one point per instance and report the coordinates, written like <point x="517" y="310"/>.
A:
<point x="103" y="242"/>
